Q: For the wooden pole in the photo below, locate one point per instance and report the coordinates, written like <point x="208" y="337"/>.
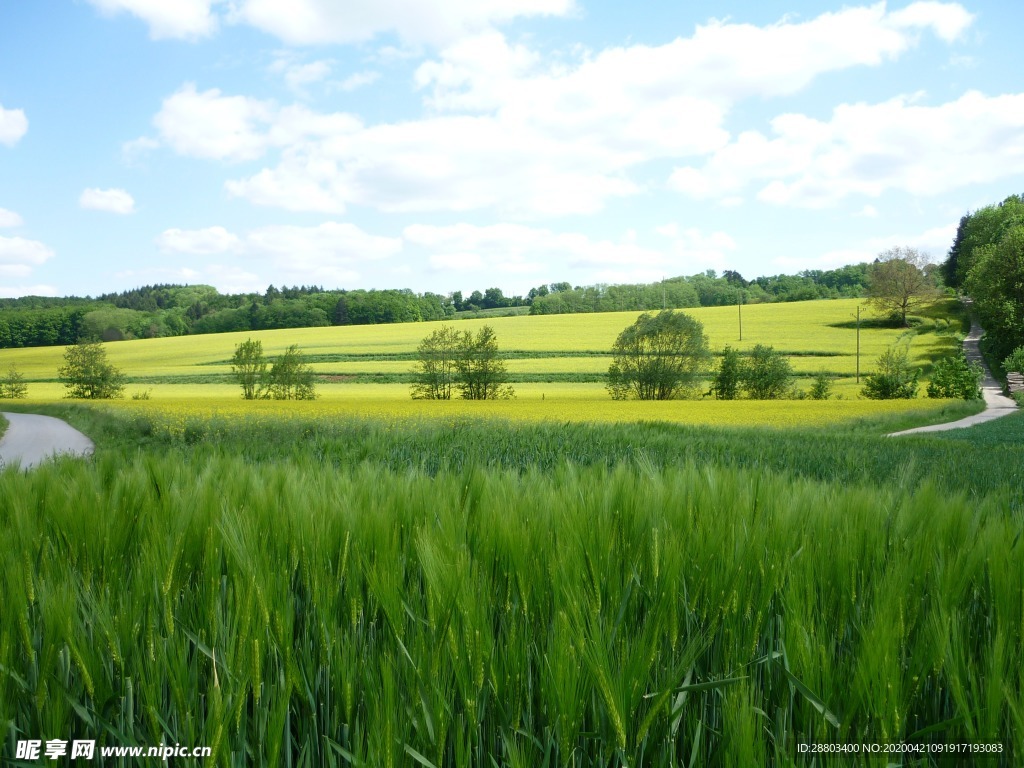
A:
<point x="858" y="344"/>
<point x="739" y="310"/>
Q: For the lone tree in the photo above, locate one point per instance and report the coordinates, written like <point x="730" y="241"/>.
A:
<point x="900" y="280"/>
<point x="13" y="385"/>
<point x="250" y="368"/>
<point x="481" y="372"/>
<point x="436" y="370"/>
<point x="659" y="357"/>
<point x="291" y="378"/>
<point x="87" y="374"/>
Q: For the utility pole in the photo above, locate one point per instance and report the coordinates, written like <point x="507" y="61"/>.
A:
<point x="858" y="344"/>
<point x="664" y="303"/>
<point x="739" y="309"/>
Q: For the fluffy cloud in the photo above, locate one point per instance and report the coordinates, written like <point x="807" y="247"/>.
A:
<point x="518" y="249"/>
<point x="869" y="149"/>
<point x="9" y="218"/>
<point x="323" y="22"/>
<point x="110" y="200"/>
<point x="530" y="137"/>
<point x="933" y="242"/>
<point x="330" y="253"/>
<point x="13" y="125"/>
<point x="19" y="256"/>
<point x="237" y="128"/>
<point x="297" y="74"/>
<point x="14" y="291"/>
<point x="182" y="19"/>
<point x="202" y="242"/>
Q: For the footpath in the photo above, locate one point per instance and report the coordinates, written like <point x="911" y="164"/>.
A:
<point x="31" y="439"/>
<point x="997" y="404"/>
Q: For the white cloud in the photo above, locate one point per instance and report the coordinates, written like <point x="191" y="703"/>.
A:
<point x="330" y="253"/>
<point x="181" y="19"/>
<point x="19" y="251"/>
<point x="9" y="218"/>
<point x="869" y="149"/>
<point x="518" y="249"/>
<point x="934" y="242"/>
<point x="110" y="200"/>
<point x="530" y="137"/>
<point x="297" y="75"/>
<point x="13" y="292"/>
<point x="13" y="125"/>
<point x="358" y="80"/>
<point x="324" y="22"/>
<point x="208" y="241"/>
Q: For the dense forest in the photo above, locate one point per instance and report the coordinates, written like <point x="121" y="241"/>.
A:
<point x="177" y="310"/>
<point x="986" y="262"/>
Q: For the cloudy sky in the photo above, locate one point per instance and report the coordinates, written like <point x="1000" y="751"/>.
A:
<point x="461" y="144"/>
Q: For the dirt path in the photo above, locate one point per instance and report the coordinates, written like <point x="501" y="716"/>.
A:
<point x="32" y="439"/>
<point x="997" y="404"/>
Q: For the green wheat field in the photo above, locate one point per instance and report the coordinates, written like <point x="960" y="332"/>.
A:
<point x="364" y="581"/>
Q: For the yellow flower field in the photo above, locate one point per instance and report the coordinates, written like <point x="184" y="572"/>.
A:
<point x="809" y="332"/>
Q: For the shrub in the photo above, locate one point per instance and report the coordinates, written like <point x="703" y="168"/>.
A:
<point x="481" y="371"/>
<point x="821" y="389"/>
<point x="1014" y="362"/>
<point x="954" y="377"/>
<point x="436" y="365"/>
<point x="766" y="374"/>
<point x="893" y="380"/>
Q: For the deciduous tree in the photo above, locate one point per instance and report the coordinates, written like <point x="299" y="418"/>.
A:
<point x="250" y="369"/>
<point x="436" y="370"/>
<point x="900" y="280"/>
<point x="87" y="374"/>
<point x="659" y="357"/>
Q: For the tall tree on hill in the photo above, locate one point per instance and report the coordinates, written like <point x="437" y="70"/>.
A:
<point x="901" y="280"/>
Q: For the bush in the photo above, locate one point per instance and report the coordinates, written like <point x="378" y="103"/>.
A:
<point x="821" y="389"/>
<point x="893" y="380"/>
<point x="87" y="374"/>
<point x="436" y="370"/>
<point x="1014" y="362"/>
<point x="481" y="371"/>
<point x="250" y="369"/>
<point x="766" y="374"/>
<point x="954" y="377"/>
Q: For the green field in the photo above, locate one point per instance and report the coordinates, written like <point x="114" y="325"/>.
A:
<point x="557" y="580"/>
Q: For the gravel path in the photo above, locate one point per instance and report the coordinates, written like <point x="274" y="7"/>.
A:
<point x="997" y="404"/>
<point x="32" y="439"/>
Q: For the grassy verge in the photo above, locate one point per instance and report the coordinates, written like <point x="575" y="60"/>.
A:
<point x="3" y="425"/>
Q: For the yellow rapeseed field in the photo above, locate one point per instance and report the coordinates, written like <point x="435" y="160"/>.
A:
<point x="816" y="334"/>
<point x="173" y="414"/>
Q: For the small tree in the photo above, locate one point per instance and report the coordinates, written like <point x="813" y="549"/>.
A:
<point x="250" y="368"/>
<point x="901" y="279"/>
<point x="13" y="386"/>
<point x="727" y="381"/>
<point x="87" y="374"/>
<point x="821" y="389"/>
<point x="436" y="370"/>
<point x="659" y="357"/>
<point x="893" y="380"/>
<point x="1014" y="362"/>
<point x="291" y="378"/>
<point x="766" y="374"/>
<point x="954" y="377"/>
<point x="481" y="372"/>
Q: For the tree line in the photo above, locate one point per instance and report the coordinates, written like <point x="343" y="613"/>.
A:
<point x="178" y="310"/>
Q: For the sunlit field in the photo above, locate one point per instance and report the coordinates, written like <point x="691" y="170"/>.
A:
<point x="817" y="335"/>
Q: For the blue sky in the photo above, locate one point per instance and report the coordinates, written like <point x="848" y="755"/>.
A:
<point x="462" y="144"/>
